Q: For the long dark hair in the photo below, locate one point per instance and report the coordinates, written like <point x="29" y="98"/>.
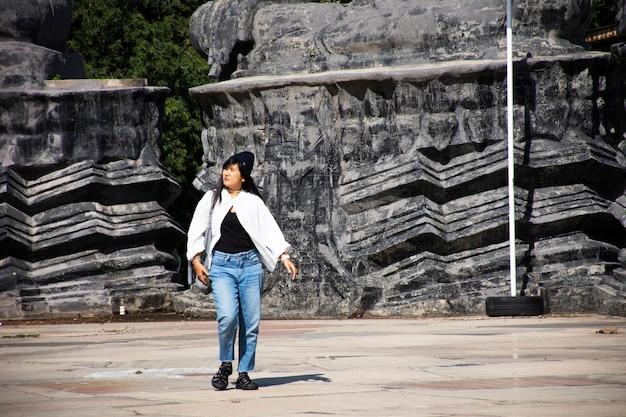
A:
<point x="248" y="185"/>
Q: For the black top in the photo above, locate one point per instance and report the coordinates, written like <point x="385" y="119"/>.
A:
<point x="234" y="237"/>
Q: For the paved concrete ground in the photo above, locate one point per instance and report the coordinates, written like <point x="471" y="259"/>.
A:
<point x="552" y="366"/>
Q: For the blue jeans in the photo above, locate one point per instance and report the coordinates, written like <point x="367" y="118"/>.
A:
<point x="237" y="283"/>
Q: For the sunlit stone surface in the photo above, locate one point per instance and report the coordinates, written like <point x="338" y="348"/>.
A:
<point x="83" y="197"/>
<point x="380" y="131"/>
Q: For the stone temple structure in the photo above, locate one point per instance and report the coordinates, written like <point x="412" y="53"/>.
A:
<point x="83" y="198"/>
<point x="380" y="132"/>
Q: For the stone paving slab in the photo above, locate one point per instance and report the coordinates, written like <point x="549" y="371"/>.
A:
<point x="477" y="366"/>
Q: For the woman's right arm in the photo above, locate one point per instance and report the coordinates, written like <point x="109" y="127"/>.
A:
<point x="196" y="236"/>
<point x="199" y="269"/>
<point x="198" y="226"/>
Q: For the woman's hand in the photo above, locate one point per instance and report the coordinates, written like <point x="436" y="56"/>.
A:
<point x="291" y="267"/>
<point x="201" y="272"/>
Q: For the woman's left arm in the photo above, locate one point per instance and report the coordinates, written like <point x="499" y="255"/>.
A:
<point x="275" y="239"/>
<point x="291" y="267"/>
<point x="197" y="227"/>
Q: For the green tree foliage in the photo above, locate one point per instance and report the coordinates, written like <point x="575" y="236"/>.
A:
<point x="150" y="39"/>
<point x="604" y="12"/>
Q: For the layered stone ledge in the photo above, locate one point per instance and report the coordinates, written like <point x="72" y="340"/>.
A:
<point x="83" y="199"/>
<point x="391" y="182"/>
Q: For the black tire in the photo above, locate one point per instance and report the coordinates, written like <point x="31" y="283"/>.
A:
<point x="514" y="306"/>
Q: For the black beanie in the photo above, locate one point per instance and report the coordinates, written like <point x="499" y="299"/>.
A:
<point x="246" y="159"/>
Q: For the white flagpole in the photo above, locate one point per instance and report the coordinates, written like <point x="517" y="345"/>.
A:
<point x="510" y="154"/>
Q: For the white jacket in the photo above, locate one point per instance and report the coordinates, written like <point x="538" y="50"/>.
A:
<point x="253" y="215"/>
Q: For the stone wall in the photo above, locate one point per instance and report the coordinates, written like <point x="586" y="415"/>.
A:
<point x="383" y="154"/>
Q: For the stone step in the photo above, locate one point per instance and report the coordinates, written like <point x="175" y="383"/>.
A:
<point x="80" y="285"/>
<point x="108" y="184"/>
<point x="63" y="298"/>
<point x="194" y="303"/>
<point x="620" y="276"/>
<point x="612" y="301"/>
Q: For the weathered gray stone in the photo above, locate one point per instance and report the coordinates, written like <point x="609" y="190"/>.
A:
<point x="83" y="197"/>
<point x="33" y="34"/>
<point x="52" y="125"/>
<point x="252" y="37"/>
<point x="25" y="65"/>
<point x="99" y="228"/>
<point x="386" y="166"/>
<point x="42" y="22"/>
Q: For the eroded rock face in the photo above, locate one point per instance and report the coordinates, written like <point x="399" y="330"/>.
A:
<point x="83" y="225"/>
<point x="42" y="22"/>
<point x="252" y="37"/>
<point x="386" y="163"/>
<point x="33" y="34"/>
<point x="83" y="197"/>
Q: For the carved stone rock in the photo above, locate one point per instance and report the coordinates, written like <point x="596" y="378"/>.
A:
<point x="253" y="37"/>
<point x="33" y="34"/>
<point x="83" y="226"/>
<point x="83" y="197"/>
<point x="382" y="151"/>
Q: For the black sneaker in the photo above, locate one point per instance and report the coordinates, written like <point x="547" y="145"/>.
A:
<point x="220" y="380"/>
<point x="244" y="382"/>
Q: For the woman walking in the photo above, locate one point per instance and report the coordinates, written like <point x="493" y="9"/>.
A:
<point x="243" y="236"/>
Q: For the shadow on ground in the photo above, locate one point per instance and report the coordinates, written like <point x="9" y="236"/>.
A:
<point x="284" y="380"/>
